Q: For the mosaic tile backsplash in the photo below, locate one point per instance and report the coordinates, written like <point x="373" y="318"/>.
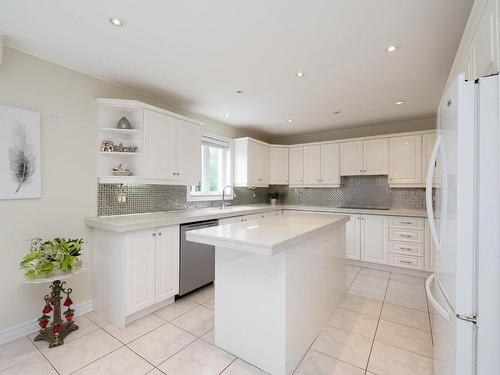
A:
<point x="358" y="191"/>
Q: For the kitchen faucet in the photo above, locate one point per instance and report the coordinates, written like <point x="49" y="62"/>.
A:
<point x="223" y="203"/>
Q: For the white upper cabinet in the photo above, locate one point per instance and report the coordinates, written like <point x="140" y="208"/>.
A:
<point x="168" y="145"/>
<point x="251" y="163"/>
<point x="172" y="149"/>
<point x="375" y="156"/>
<point x="278" y="165"/>
<point x="315" y="165"/>
<point x="330" y="166"/>
<point x="159" y="135"/>
<point x="312" y="165"/>
<point x="405" y="160"/>
<point x="351" y="158"/>
<point x="364" y="157"/>
<point x="296" y="165"/>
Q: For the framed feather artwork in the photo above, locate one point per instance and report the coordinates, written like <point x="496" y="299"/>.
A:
<point x="20" y="163"/>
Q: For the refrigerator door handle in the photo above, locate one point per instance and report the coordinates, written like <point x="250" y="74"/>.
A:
<point x="440" y="309"/>
<point x="428" y="190"/>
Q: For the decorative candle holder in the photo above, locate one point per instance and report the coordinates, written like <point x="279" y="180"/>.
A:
<point x="55" y="333"/>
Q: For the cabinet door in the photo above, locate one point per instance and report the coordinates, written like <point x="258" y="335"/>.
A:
<point x="375" y="156"/>
<point x="188" y="153"/>
<point x="296" y="165"/>
<point x="254" y="164"/>
<point x="167" y="262"/>
<point x="405" y="160"/>
<point x="312" y="165"/>
<point x="159" y="146"/>
<point x="428" y="141"/>
<point x="351" y="158"/>
<point x="330" y="168"/>
<point x="374" y="243"/>
<point x="352" y="238"/>
<point x="263" y="164"/>
<point x="278" y="165"/>
<point x="485" y="43"/>
<point x="139" y="270"/>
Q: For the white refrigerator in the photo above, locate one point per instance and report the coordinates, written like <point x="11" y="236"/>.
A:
<point x="464" y="290"/>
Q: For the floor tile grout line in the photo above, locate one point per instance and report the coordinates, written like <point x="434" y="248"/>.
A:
<point x="404" y="325"/>
<point x="406" y="350"/>
<point x="225" y="368"/>
<point x="43" y="355"/>
<point x="97" y="359"/>
<point x="335" y="358"/>
<point x="378" y="323"/>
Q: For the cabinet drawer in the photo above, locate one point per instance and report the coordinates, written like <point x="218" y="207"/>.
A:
<point x="406" y="248"/>
<point x="406" y="261"/>
<point x="397" y="234"/>
<point x="406" y="222"/>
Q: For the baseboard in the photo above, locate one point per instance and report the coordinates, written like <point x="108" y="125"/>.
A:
<point x="27" y="328"/>
<point x="389" y="268"/>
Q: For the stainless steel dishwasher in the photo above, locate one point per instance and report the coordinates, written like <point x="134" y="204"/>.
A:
<point x="197" y="261"/>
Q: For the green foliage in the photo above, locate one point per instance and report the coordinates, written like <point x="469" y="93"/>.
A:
<point x="45" y="257"/>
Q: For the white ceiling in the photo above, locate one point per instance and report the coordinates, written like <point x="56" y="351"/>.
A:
<point x="196" y="54"/>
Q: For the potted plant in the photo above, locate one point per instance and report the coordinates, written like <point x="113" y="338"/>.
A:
<point x="44" y="259"/>
<point x="274" y="197"/>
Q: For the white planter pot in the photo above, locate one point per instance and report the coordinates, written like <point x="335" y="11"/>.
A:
<point x="273" y="201"/>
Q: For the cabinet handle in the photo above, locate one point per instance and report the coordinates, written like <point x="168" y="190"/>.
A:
<point x="407" y="236"/>
<point x="154" y="234"/>
<point x="405" y="262"/>
<point x="173" y="173"/>
<point x="159" y="234"/>
<point x="405" y="249"/>
<point x="406" y="222"/>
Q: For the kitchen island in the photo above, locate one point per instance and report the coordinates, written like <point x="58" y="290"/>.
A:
<point x="278" y="279"/>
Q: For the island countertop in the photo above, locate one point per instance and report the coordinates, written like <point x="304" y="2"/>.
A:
<point x="268" y="235"/>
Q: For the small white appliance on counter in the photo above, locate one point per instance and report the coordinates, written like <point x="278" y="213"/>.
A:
<point x="464" y="291"/>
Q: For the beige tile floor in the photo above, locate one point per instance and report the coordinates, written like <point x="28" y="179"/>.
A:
<point x="381" y="328"/>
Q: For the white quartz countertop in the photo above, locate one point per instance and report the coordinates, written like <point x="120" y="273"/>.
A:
<point x="268" y="235"/>
<point x="125" y="223"/>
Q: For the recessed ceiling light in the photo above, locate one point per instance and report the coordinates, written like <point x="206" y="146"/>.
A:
<point x="392" y="48"/>
<point x="337" y="112"/>
<point x="299" y="74"/>
<point x="399" y="102"/>
<point x="227" y="115"/>
<point x="117" y="22"/>
<point x="290" y="120"/>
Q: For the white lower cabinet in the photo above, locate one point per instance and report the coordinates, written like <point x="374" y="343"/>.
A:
<point x="373" y="234"/>
<point x="140" y="260"/>
<point x="134" y="273"/>
<point x="352" y="238"/>
<point x="366" y="238"/>
<point x="152" y="267"/>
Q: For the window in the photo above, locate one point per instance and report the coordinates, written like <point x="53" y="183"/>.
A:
<point x="215" y="169"/>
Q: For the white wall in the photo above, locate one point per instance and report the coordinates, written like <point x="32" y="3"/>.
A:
<point x="68" y="131"/>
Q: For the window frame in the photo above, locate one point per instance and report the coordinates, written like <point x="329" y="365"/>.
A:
<point x="204" y="196"/>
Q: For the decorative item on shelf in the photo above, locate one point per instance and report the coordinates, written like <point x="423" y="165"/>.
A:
<point x="58" y="330"/>
<point x="274" y="197"/>
<point x="121" y="171"/>
<point x="109" y="146"/>
<point x="123" y="123"/>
